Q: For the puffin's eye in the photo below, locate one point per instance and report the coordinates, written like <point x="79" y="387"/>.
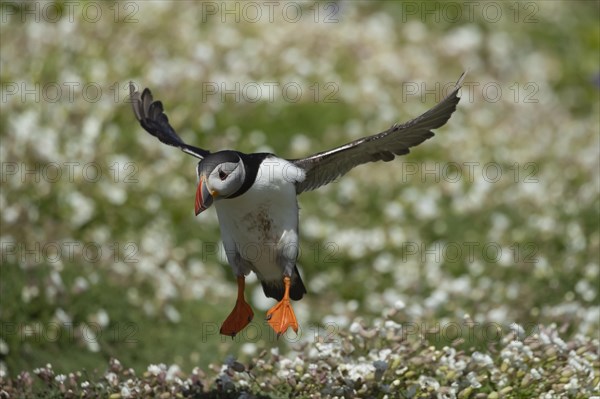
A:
<point x="222" y="175"/>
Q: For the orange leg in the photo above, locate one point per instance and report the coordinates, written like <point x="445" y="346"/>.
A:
<point x="281" y="316"/>
<point x="241" y="315"/>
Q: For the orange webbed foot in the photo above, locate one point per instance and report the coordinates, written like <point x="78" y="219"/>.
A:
<point x="238" y="319"/>
<point x="240" y="316"/>
<point x="281" y="316"/>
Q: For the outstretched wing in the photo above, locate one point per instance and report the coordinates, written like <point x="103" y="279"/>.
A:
<point x="326" y="166"/>
<point x="151" y="116"/>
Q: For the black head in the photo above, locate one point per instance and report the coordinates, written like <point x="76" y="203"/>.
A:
<point x="220" y="175"/>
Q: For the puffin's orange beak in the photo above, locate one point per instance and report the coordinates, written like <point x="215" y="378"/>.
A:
<point x="204" y="198"/>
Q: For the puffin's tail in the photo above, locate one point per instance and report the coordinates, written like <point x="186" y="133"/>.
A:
<point x="275" y="289"/>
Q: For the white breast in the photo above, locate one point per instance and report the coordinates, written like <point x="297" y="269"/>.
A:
<point x="261" y="225"/>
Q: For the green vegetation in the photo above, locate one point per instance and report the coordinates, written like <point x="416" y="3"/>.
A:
<point x="468" y="268"/>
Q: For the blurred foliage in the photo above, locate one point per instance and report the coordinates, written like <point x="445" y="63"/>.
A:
<point x="145" y="283"/>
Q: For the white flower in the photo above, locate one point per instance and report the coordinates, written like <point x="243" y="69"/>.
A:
<point x="482" y="359"/>
<point x="355" y="327"/>
<point x="172" y="372"/>
<point x="517" y="329"/>
<point x="392" y="325"/>
<point x="535" y="374"/>
<point x="384" y="353"/>
<point x="327" y="349"/>
<point x="357" y="370"/>
<point x="285" y="366"/>
<point x="428" y="382"/>
<point x="125" y="392"/>
<point x="102" y="318"/>
<point x="155" y="369"/>
<point x="573" y="385"/>
<point x="83" y="208"/>
<point x="472" y="378"/>
<point x="112" y="378"/>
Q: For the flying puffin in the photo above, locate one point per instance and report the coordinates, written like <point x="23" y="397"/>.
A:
<point x="255" y="199"/>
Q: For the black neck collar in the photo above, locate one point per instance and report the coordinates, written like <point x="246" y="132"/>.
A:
<point x="251" y="164"/>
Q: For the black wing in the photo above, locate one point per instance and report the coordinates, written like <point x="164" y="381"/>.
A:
<point x="151" y="116"/>
<point x="326" y="166"/>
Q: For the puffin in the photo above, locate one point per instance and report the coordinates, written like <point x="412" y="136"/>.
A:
<point x="255" y="197"/>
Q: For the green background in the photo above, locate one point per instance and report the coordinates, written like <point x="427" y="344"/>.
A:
<point x="495" y="217"/>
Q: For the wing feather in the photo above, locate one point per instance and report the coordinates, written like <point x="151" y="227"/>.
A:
<point x="324" y="167"/>
<point x="150" y="114"/>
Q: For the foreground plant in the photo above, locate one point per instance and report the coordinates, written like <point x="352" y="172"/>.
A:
<point x="375" y="361"/>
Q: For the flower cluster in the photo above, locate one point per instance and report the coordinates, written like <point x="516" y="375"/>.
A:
<point x="374" y="362"/>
